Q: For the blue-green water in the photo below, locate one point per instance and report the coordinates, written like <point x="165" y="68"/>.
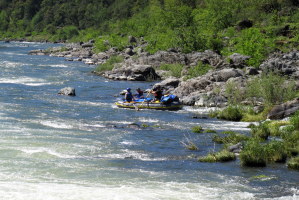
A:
<point x="59" y="147"/>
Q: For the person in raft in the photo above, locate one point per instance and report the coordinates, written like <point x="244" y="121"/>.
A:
<point x="128" y="96"/>
<point x="158" y="93"/>
<point x="139" y="94"/>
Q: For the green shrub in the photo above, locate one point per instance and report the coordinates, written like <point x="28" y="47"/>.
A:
<point x="113" y="40"/>
<point x="291" y="140"/>
<point x="276" y="151"/>
<point x="293" y="163"/>
<point x="222" y="156"/>
<point x="199" y="70"/>
<point x="109" y="65"/>
<point x="274" y="89"/>
<point x="174" y="69"/>
<point x="231" y="113"/>
<point x="295" y="120"/>
<point x="254" y="43"/>
<point x="253" y="154"/>
<point x="233" y="93"/>
<point x="274" y="127"/>
<point x="261" y="131"/>
<point x="197" y="129"/>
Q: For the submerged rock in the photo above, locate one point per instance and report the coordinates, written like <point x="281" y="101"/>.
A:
<point x="69" y="91"/>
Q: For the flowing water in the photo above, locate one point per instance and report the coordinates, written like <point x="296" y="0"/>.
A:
<point x="81" y="148"/>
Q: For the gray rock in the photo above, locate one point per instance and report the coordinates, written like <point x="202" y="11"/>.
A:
<point x="69" y="91"/>
<point x="87" y="45"/>
<point x="284" y="110"/>
<point x="167" y="84"/>
<point x="284" y="64"/>
<point x="238" y="61"/>
<point x="237" y="148"/>
<point x="225" y="74"/>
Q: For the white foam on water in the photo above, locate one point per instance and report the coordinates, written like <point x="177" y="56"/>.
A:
<point x="55" y="124"/>
<point x="25" y="81"/>
<point x="128" y="143"/>
<point x="8" y="64"/>
<point x="132" y="154"/>
<point x="201" y="110"/>
<point x="129" y="191"/>
<point x="55" y="66"/>
<point x="149" y="120"/>
<point x="36" y="150"/>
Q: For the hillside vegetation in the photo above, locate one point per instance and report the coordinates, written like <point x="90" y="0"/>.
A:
<point x="252" y="27"/>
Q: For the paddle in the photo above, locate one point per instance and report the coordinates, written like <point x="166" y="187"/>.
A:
<point x="149" y="92"/>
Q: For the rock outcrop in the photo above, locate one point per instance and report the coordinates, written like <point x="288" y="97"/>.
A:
<point x="284" y="64"/>
<point x="284" y="110"/>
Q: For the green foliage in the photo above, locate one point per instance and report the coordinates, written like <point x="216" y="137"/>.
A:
<point x="253" y="154"/>
<point x="231" y="113"/>
<point x="255" y="44"/>
<point x="231" y="138"/>
<point x="295" y="120"/>
<point x="106" y="42"/>
<point x="197" y="129"/>
<point x="110" y="63"/>
<point x="276" y="151"/>
<point x="274" y="89"/>
<point x="233" y="92"/>
<point x="293" y="163"/>
<point x="198" y="70"/>
<point x="222" y="156"/>
<point x="210" y="131"/>
<point x="174" y="69"/>
<point x="261" y="131"/>
<point x="188" y="25"/>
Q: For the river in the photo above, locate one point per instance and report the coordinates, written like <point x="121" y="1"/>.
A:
<point x="80" y="148"/>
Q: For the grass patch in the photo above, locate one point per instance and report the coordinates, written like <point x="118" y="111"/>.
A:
<point x="222" y="156"/>
<point x="261" y="131"/>
<point x="276" y="152"/>
<point x="189" y="144"/>
<point x="210" y="131"/>
<point x="197" y="129"/>
<point x="199" y="70"/>
<point x="174" y="69"/>
<point x="295" y="120"/>
<point x="232" y="138"/>
<point x="109" y="65"/>
<point x="293" y="163"/>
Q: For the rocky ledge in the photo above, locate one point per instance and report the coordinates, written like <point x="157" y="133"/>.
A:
<point x="206" y="90"/>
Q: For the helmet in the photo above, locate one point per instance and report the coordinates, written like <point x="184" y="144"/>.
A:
<point x="128" y="89"/>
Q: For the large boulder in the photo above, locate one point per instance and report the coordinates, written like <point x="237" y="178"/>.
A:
<point x="168" y="84"/>
<point x="69" y="91"/>
<point x="206" y="57"/>
<point x="284" y="110"/>
<point x="133" y="73"/>
<point x="225" y="74"/>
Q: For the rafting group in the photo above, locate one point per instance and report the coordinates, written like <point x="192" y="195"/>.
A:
<point x="159" y="101"/>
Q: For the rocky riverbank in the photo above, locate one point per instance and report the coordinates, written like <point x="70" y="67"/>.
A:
<point x="205" y="90"/>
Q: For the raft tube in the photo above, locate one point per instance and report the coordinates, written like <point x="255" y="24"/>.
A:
<point x="149" y="105"/>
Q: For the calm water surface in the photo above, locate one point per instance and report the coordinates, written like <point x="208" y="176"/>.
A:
<point x="58" y="147"/>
